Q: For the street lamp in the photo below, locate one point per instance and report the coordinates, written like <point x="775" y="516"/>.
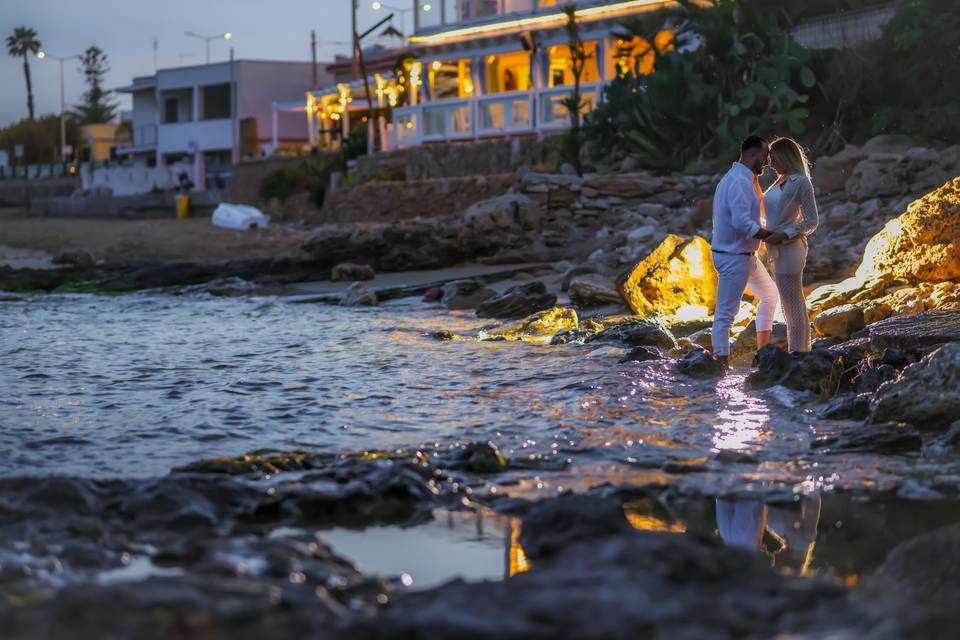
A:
<point x="41" y="55"/>
<point x="207" y="39"/>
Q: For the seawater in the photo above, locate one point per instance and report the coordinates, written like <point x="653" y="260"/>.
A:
<point x="134" y="385"/>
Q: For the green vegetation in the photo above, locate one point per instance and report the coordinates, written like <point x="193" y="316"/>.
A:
<point x="96" y="107"/>
<point x="22" y="44"/>
<point x="40" y="138"/>
<point x="735" y="69"/>
<point x="311" y="176"/>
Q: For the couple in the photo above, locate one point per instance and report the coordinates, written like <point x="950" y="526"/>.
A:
<point x="782" y="218"/>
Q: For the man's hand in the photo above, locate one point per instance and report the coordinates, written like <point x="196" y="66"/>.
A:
<point x="763" y="234"/>
<point x="776" y="237"/>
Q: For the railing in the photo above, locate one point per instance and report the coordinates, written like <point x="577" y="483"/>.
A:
<point x="517" y="112"/>
<point x="457" y="12"/>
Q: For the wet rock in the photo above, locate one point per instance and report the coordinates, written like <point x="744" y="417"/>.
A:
<point x="677" y="274"/>
<point x="871" y="377"/>
<point x="812" y="371"/>
<point x="918" y="580"/>
<point x="642" y="354"/>
<point x="351" y="272"/>
<point x="466" y="294"/>
<point x="573" y="272"/>
<point x="635" y="333"/>
<point x="840" y="321"/>
<point x="700" y="363"/>
<point x="593" y="290"/>
<point x="478" y="457"/>
<point x="75" y="258"/>
<point x="744" y="347"/>
<point x="925" y="395"/>
<point x="652" y="584"/>
<point x="888" y="437"/>
<point x="518" y="301"/>
<point x="909" y="333"/>
<point x="433" y="294"/>
<point x="444" y="335"/>
<point x="847" y="407"/>
<point x="703" y="338"/>
<point x="540" y="326"/>
<point x="552" y="525"/>
<point x="945" y="444"/>
<point x="358" y="295"/>
<point x="257" y="462"/>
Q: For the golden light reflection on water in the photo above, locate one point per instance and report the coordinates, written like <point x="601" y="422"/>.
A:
<point x="741" y="418"/>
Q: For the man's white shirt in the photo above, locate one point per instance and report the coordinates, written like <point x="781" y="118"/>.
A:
<point x="736" y="212"/>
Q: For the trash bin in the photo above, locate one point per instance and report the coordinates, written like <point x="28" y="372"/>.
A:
<point x="183" y="206"/>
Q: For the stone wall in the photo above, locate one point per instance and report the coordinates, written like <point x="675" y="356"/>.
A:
<point x="248" y="176"/>
<point x="452" y="160"/>
<point x="403" y="200"/>
<point x="18" y="192"/>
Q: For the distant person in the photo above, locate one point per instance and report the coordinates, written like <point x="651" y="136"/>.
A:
<point x="738" y="229"/>
<point x="184" y="182"/>
<point x="791" y="216"/>
<point x="218" y="181"/>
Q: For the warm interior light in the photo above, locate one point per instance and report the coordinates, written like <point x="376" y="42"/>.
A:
<point x="545" y="19"/>
<point x="435" y="65"/>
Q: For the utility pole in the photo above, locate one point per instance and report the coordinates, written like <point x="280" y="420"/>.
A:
<point x="313" y="57"/>
<point x="356" y="40"/>
<point x="156" y="45"/>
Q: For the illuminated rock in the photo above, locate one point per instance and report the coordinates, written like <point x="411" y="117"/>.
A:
<point x="539" y="327"/>
<point x="840" y="321"/>
<point x="677" y="274"/>
<point x="911" y="265"/>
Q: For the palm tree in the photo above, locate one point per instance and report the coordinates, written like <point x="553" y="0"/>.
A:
<point x="24" y="42"/>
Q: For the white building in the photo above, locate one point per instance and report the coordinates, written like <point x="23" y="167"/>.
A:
<point x="207" y="117"/>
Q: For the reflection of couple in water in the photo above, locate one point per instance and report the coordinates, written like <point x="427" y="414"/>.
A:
<point x="792" y="526"/>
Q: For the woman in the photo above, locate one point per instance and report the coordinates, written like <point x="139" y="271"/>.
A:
<point x="792" y="216"/>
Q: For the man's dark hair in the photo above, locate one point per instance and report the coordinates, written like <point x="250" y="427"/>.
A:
<point x="752" y="142"/>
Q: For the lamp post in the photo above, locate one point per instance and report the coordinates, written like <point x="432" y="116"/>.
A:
<point x="221" y="36"/>
<point x="63" y="123"/>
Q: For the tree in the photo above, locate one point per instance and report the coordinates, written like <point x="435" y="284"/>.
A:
<point x="96" y="106"/>
<point x="23" y="43"/>
<point x="574" y="102"/>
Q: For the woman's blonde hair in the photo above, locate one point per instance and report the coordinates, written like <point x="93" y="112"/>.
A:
<point x="790" y="156"/>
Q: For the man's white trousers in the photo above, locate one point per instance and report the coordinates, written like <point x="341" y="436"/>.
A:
<point x="738" y="272"/>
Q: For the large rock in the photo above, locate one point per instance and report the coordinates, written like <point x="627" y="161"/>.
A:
<point x="871" y="438"/>
<point x="909" y="333"/>
<point x="926" y="393"/>
<point x="840" y="321"/>
<point x="811" y="371"/>
<point x="552" y="525"/>
<point x="700" y="363"/>
<point x="678" y="274"/>
<point x="635" y="333"/>
<point x="504" y="212"/>
<point x="350" y="272"/>
<point x="358" y="295"/>
<point x="831" y="173"/>
<point x="466" y="294"/>
<point x="745" y="345"/>
<point x="542" y="326"/>
<point x="518" y="301"/>
<point x="922" y="244"/>
<point x="593" y="290"/>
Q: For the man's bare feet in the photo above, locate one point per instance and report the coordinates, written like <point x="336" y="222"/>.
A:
<point x="763" y="338"/>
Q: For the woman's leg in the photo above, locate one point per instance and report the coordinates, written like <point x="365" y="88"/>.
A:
<point x="794" y="305"/>
<point x="761" y="284"/>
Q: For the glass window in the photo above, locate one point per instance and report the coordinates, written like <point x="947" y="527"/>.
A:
<point x="561" y="66"/>
<point x="508" y="72"/>
<point x="216" y="101"/>
<point x="450" y="79"/>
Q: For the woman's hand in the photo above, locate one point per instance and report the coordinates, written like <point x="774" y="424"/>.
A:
<point x="776" y="237"/>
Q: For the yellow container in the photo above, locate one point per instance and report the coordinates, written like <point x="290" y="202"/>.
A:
<point x="183" y="206"/>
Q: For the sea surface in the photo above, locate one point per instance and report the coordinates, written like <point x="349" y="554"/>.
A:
<point x="134" y="385"/>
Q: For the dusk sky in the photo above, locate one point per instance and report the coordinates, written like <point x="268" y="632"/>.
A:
<point x="124" y="29"/>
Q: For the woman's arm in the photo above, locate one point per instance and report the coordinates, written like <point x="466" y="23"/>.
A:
<point x="809" y="216"/>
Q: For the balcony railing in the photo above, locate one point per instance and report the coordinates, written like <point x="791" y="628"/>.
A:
<point x="446" y="13"/>
<point x="517" y="112"/>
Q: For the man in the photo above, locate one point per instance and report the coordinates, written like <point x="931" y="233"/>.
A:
<point x="738" y="219"/>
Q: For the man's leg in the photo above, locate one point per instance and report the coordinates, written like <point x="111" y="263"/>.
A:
<point x="733" y="271"/>
<point x="763" y="286"/>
